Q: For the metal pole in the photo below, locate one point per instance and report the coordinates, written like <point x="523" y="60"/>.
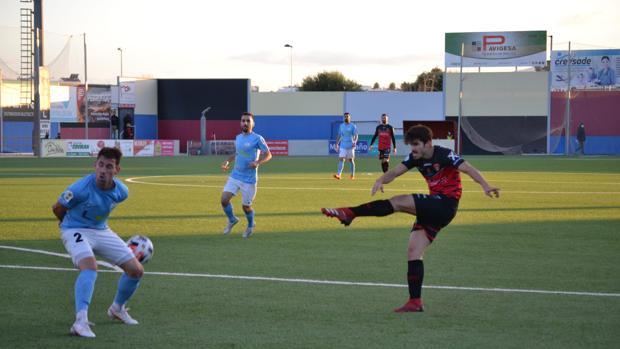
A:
<point x="291" y="60"/>
<point x="568" y="95"/>
<point x="85" y="87"/>
<point x="458" y="133"/>
<point x="36" y="129"/>
<point x="118" y="94"/>
<point x="549" y="97"/>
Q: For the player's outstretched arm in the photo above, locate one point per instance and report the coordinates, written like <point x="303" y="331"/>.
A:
<point x="388" y="177"/>
<point x="472" y="172"/>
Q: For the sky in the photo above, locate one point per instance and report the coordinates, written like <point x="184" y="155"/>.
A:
<point x="368" y="41"/>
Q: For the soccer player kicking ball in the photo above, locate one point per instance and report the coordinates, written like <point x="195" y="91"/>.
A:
<point x="440" y="167"/>
<point x="83" y="210"/>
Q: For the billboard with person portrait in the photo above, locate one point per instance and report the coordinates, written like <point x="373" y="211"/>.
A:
<point x="589" y="70"/>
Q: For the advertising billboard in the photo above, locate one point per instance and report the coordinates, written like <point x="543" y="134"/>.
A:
<point x="589" y="69"/>
<point x="497" y="49"/>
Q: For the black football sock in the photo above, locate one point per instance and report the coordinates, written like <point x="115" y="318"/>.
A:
<point x="378" y="208"/>
<point x="385" y="166"/>
<point x="415" y="276"/>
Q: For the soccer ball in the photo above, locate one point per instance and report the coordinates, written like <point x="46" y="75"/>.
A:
<point x="142" y="248"/>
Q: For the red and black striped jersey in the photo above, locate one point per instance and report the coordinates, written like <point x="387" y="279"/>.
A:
<point x="385" y="132"/>
<point x="440" y="171"/>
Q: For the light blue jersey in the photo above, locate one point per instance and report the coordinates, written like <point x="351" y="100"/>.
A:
<point x="89" y="206"/>
<point x="347" y="133"/>
<point x="247" y="147"/>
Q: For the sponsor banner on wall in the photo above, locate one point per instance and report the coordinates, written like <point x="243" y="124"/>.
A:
<point x="126" y="147"/>
<point x="143" y="148"/>
<point x="128" y="94"/>
<point x="589" y="69"/>
<point x="54" y="148"/>
<point x="65" y="111"/>
<point x="78" y="147"/>
<point x="99" y="103"/>
<point x="91" y="147"/>
<point x="278" y="147"/>
<point x="497" y="49"/>
<point x="164" y="148"/>
<point x="361" y="147"/>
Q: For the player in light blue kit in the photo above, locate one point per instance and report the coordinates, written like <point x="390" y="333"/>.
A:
<point x="345" y="145"/>
<point x="83" y="210"/>
<point x="243" y="177"/>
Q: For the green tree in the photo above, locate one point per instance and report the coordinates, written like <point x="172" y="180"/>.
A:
<point x="427" y="81"/>
<point x="392" y="86"/>
<point x="376" y="86"/>
<point x="329" y="81"/>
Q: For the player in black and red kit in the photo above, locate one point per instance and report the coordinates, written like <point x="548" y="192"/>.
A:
<point x="385" y="132"/>
<point x="440" y="168"/>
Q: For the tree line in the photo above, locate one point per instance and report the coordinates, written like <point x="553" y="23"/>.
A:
<point x="428" y="81"/>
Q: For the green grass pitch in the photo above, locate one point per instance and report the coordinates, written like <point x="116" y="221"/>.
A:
<point x="556" y="228"/>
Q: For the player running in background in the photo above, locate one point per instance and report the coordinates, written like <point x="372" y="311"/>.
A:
<point x="345" y="145"/>
<point x="440" y="168"/>
<point x="83" y="210"/>
<point x="244" y="174"/>
<point x="385" y="132"/>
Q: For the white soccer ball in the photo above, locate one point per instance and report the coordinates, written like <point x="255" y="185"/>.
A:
<point x="142" y="248"/>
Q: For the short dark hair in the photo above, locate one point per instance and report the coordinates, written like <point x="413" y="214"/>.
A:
<point x="346" y="113"/>
<point x="111" y="153"/>
<point x="247" y="113"/>
<point x="605" y="57"/>
<point x="384" y="114"/>
<point x="418" y="132"/>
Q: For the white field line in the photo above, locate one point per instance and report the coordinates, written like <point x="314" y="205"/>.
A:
<point x="331" y="282"/>
<point x="64" y="255"/>
<point x="138" y="180"/>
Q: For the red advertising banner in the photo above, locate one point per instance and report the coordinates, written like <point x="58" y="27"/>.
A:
<point x="278" y="147"/>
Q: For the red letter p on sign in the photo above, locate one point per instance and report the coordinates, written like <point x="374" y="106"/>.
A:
<point x="492" y="40"/>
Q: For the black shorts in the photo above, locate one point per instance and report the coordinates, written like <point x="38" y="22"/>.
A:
<point x="433" y="212"/>
<point x="384" y="153"/>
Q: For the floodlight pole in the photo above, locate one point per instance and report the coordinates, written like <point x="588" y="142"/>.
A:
<point x="36" y="131"/>
<point x="291" y="50"/>
<point x="549" y="82"/>
<point x="568" y="97"/>
<point x="85" y="88"/>
<point x="118" y="96"/>
<point x="203" y="130"/>
<point x="458" y="134"/>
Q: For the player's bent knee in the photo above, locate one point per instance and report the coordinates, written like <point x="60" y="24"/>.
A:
<point x="89" y="263"/>
<point x="133" y="268"/>
<point x="403" y="203"/>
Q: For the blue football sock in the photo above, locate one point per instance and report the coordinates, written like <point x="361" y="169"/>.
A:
<point x="352" y="168"/>
<point x="250" y="217"/>
<point x="126" y="287"/>
<point x="340" y="166"/>
<point x="84" y="287"/>
<point x="229" y="212"/>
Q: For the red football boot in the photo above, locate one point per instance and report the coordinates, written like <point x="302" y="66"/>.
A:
<point x="344" y="215"/>
<point x="413" y="305"/>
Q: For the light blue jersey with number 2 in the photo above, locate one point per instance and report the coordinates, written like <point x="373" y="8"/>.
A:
<point x="89" y="206"/>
